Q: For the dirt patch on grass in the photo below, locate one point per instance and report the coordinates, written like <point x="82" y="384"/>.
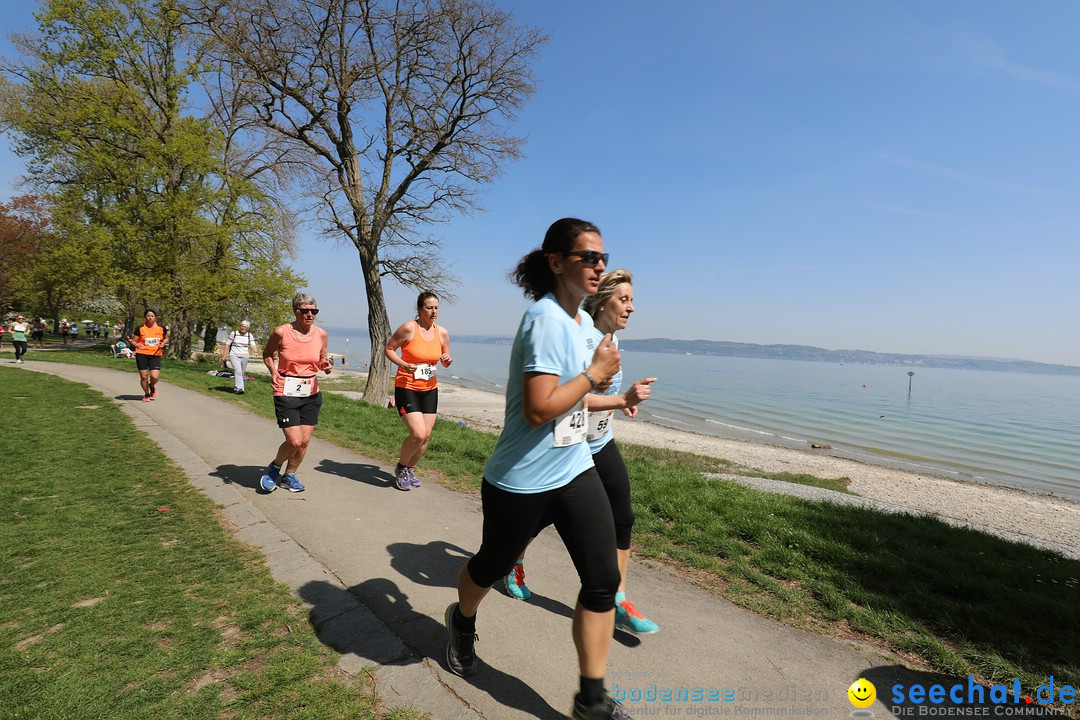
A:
<point x="35" y="639"/>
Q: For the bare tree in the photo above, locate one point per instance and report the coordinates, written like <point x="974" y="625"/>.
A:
<point x="400" y="107"/>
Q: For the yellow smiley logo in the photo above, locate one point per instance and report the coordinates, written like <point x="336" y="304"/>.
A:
<point x="862" y="693"/>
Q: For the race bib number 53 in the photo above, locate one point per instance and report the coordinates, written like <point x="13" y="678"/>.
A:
<point x="571" y="428"/>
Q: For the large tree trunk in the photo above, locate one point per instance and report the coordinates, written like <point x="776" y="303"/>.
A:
<point x="210" y="338"/>
<point x="180" y="336"/>
<point x="378" y="386"/>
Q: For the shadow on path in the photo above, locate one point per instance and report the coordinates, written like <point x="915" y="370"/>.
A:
<point x="436" y="564"/>
<point x="348" y="629"/>
<point x="360" y="472"/>
<point x="243" y="475"/>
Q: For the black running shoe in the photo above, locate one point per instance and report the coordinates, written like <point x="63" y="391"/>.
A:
<point x="460" y="655"/>
<point x="606" y="709"/>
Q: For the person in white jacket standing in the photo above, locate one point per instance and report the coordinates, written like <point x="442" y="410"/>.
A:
<point x="239" y="344"/>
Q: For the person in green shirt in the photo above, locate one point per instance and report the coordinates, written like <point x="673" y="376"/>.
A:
<point x="19" y="330"/>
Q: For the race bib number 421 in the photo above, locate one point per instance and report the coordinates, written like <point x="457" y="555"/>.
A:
<point x="571" y="428"/>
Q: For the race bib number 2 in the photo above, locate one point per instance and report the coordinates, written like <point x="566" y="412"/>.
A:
<point x="298" y="387"/>
<point x="571" y="428"/>
<point x="424" y="372"/>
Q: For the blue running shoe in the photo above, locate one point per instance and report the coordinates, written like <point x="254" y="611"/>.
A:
<point x="628" y="618"/>
<point x="269" y="480"/>
<point x="515" y="583"/>
<point x="402" y="481"/>
<point x="290" y="483"/>
<point x="413" y="480"/>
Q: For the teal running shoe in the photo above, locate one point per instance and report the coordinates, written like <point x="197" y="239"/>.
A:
<point x="628" y="618"/>
<point x="515" y="583"/>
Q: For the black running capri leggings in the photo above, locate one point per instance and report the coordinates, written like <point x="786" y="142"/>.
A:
<point x="616" y="481"/>
<point x="582" y="515"/>
<point x="612" y="471"/>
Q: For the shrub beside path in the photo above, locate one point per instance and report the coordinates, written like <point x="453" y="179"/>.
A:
<point x="378" y="567"/>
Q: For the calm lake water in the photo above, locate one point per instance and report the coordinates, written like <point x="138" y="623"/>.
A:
<point x="1013" y="429"/>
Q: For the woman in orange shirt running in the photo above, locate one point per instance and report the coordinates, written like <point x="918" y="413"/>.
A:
<point x="150" y="340"/>
<point x="416" y="389"/>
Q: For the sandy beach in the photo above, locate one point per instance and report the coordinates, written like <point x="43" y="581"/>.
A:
<point x="1041" y="520"/>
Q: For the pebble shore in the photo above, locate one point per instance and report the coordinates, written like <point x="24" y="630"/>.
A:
<point x="1044" y="521"/>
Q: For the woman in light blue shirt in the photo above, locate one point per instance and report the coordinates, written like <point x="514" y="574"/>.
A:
<point x="610" y="308"/>
<point x="542" y="467"/>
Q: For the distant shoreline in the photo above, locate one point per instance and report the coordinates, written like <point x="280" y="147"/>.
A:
<point x="810" y="353"/>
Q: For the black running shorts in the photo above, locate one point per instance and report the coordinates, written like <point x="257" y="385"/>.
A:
<point x="422" y="401"/>
<point x="147" y="362"/>
<point x="293" y="411"/>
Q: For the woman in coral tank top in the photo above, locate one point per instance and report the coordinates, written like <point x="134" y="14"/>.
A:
<point x="423" y="345"/>
<point x="294" y="355"/>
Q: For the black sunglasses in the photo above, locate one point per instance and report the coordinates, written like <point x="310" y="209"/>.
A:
<point x="308" y="311"/>
<point x="589" y="257"/>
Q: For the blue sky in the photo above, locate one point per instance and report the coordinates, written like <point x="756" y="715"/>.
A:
<point x="891" y="176"/>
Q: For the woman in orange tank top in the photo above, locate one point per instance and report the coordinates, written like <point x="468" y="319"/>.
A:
<point x="150" y="339"/>
<point x="423" y="345"/>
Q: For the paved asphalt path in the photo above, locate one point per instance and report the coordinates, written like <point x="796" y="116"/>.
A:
<point x="378" y="566"/>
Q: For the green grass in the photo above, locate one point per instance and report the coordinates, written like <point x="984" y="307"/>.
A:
<point x="124" y="596"/>
<point x="956" y="600"/>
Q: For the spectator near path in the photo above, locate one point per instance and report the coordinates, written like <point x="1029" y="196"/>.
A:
<point x="239" y="345"/>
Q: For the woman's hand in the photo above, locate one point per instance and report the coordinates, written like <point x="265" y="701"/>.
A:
<point x="605" y="363"/>
<point x="639" y="392"/>
<point x="446" y="360"/>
